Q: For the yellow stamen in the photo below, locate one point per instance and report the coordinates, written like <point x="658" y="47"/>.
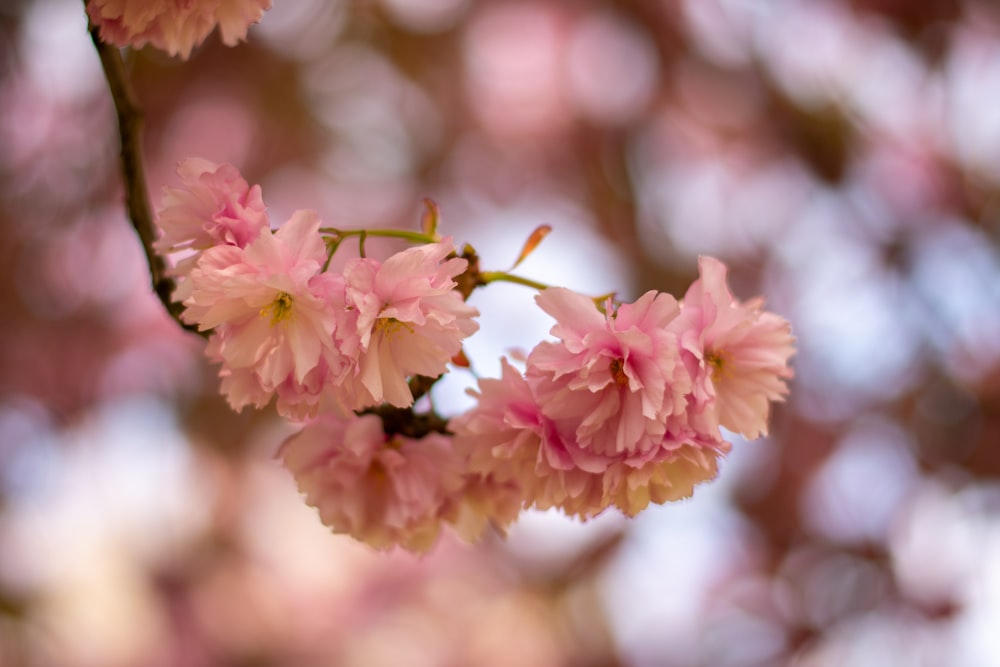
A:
<point x="717" y="362"/>
<point x="618" y="372"/>
<point x="280" y="309"/>
<point x="391" y="325"/>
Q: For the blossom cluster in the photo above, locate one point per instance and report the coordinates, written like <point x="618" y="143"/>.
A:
<point x="282" y="325"/>
<point x="174" y="26"/>
<point x="625" y="406"/>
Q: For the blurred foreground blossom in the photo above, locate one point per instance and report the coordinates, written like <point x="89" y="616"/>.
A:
<point x="174" y="26"/>
<point x="216" y="207"/>
<point x="382" y="490"/>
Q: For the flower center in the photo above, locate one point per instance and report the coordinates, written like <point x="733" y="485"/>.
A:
<point x="280" y="309"/>
<point x="618" y="372"/>
<point x="377" y="471"/>
<point x="390" y="325"/>
<point x="717" y="362"/>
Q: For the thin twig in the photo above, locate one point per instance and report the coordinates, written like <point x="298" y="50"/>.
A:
<point x="130" y="120"/>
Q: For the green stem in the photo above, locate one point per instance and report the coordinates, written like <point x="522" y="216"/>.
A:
<point x="337" y="236"/>
<point x="331" y="248"/>
<point x="487" y="277"/>
<point x="504" y="277"/>
<point x="415" y="237"/>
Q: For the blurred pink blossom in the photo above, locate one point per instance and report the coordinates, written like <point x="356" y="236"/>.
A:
<point x="506" y="438"/>
<point x="216" y="206"/>
<point x="382" y="490"/>
<point x="174" y="26"/>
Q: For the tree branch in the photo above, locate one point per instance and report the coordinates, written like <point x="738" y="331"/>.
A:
<point x="130" y="120"/>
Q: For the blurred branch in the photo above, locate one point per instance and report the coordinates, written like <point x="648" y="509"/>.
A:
<point x="130" y="120"/>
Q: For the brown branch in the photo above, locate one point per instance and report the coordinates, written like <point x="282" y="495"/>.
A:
<point x="130" y="120"/>
<point x="406" y="422"/>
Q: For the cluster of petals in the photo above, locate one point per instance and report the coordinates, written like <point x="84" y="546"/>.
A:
<point x="624" y="408"/>
<point x="383" y="490"/>
<point x="409" y="320"/>
<point x="628" y="404"/>
<point x="274" y="313"/>
<point x="215" y="207"/>
<point x="282" y="325"/>
<point x="737" y="353"/>
<point x="174" y="26"/>
<point x="613" y="378"/>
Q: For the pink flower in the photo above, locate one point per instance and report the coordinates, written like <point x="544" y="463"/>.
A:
<point x="673" y="478"/>
<point x="317" y="393"/>
<point x="614" y="378"/>
<point x="485" y="501"/>
<point x="410" y="320"/>
<point x="508" y="439"/>
<point x="240" y="386"/>
<point x="214" y="207"/>
<point x="235" y="17"/>
<point x="274" y="314"/>
<point x="740" y="353"/>
<point x="174" y="26"/>
<point x="382" y="490"/>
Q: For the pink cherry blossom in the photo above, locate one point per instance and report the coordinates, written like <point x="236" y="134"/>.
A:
<point x="274" y="314"/>
<point x="240" y="386"/>
<point x="174" y="26"/>
<point x="216" y="206"/>
<point x="614" y="377"/>
<point x="508" y="439"/>
<point x="740" y="352"/>
<point x="410" y="320"/>
<point x="382" y="490"/>
<point x="672" y="478"/>
<point x="485" y="500"/>
<point x="317" y="393"/>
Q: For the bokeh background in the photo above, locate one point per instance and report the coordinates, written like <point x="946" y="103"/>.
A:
<point x="842" y="157"/>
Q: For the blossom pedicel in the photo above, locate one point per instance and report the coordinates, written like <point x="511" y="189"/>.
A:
<point x="624" y="407"/>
